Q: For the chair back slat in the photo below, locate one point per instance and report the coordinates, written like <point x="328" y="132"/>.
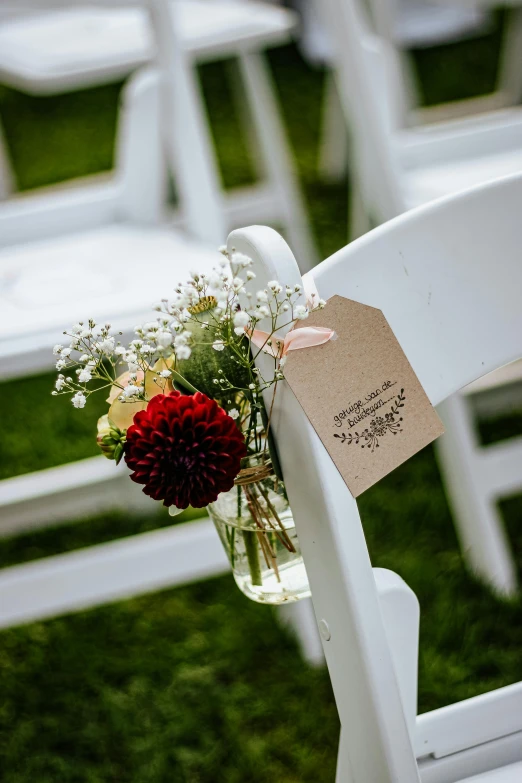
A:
<point x="448" y="277"/>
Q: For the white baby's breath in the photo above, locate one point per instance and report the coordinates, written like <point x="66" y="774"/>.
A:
<point x="241" y="318"/>
<point x="79" y="400"/>
<point x="183" y="352"/>
<point x="130" y="391"/>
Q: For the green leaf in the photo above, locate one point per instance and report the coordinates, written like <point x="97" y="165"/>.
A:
<point x="179" y="380"/>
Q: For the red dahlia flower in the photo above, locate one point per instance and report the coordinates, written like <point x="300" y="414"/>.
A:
<point x="185" y="449"/>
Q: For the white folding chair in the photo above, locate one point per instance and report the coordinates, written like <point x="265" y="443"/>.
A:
<point x="46" y="50"/>
<point x="105" y="250"/>
<point x="100" y="250"/>
<point x="447" y="277"/>
<point x="400" y="24"/>
<point x="396" y="169"/>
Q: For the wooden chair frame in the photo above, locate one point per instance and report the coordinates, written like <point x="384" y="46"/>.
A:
<point x="431" y="272"/>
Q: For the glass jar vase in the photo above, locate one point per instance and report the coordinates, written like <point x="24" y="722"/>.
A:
<point x="255" y="524"/>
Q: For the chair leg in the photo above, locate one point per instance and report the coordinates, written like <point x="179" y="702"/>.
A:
<point x="333" y="148"/>
<point x="478" y="523"/>
<point x="276" y="157"/>
<point x="344" y="772"/>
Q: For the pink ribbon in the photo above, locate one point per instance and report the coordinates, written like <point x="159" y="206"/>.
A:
<point x="305" y="337"/>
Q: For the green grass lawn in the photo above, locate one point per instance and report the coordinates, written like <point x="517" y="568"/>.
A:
<point x="199" y="685"/>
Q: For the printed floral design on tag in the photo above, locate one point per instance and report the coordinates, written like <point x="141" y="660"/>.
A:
<point x="379" y="427"/>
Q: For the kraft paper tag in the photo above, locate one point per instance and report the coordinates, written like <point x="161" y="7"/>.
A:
<point x="361" y="394"/>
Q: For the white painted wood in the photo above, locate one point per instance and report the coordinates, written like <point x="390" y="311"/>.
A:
<point x="509" y="774"/>
<point x="401" y="616"/>
<point x="139" y="156"/>
<point x="299" y="618"/>
<point x="333" y="145"/>
<point x="89" y="577"/>
<point x="357" y="653"/>
<point x="453" y="304"/>
<point x="473" y="504"/>
<point x="37" y="279"/>
<point x="474" y="721"/>
<point x="499" y="467"/>
<point x="491" y="756"/>
<point x="510" y="373"/>
<point x="400" y="613"/>
<point x="343" y="773"/>
<point x="409" y="23"/>
<point x="105" y="234"/>
<point x="50" y="213"/>
<point x="48" y="50"/>
<point x="67" y="493"/>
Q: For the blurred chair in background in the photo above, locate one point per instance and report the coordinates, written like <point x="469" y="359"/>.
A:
<point x="394" y="169"/>
<point x="406" y="25"/>
<point x="447" y="277"/>
<point x="49" y="49"/>
<point x="109" y="249"/>
<point x="411" y="24"/>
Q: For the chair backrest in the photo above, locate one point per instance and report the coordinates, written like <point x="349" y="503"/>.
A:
<point x="448" y="278"/>
<point x="367" y="76"/>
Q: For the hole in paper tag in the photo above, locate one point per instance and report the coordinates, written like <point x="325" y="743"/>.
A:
<point x="361" y="394"/>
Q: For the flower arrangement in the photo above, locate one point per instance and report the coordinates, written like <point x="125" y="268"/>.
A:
<point x="186" y="409"/>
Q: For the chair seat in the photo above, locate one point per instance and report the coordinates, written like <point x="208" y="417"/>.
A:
<point x="512" y="773"/>
<point x="427" y="183"/>
<point x="57" y="50"/>
<point x="114" y="273"/>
